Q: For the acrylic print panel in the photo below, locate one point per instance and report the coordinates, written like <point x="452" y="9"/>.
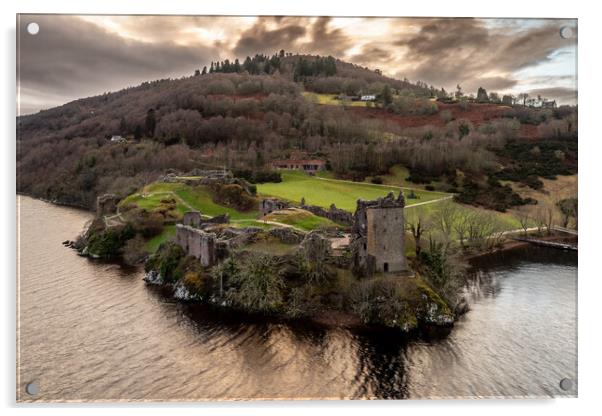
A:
<point x="221" y="208"/>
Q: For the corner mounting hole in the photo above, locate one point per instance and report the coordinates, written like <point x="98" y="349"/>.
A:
<point x="33" y="28"/>
<point x="566" y="384"/>
<point x="32" y="388"/>
<point x="566" y="32"/>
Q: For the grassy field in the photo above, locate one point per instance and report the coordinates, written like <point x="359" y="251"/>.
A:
<point x="299" y="218"/>
<point x="323" y="192"/>
<point x="330" y="99"/>
<point x="187" y="198"/>
<point x="506" y="220"/>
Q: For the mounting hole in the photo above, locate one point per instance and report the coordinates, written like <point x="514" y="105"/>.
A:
<point x="566" y="32"/>
<point x="32" y="388"/>
<point x="33" y="28"/>
<point x="566" y="384"/>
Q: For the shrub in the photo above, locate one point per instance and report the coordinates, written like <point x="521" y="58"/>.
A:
<point x="446" y="116"/>
<point x="109" y="242"/>
<point x="377" y="180"/>
<point x="133" y="251"/>
<point x="381" y="301"/>
<point x="194" y="282"/>
<point x="492" y="195"/>
<point x="233" y="195"/>
<point x="258" y="176"/>
<point x="302" y="302"/>
<point x="257" y="286"/>
<point x="149" y="224"/>
<point x="166" y="261"/>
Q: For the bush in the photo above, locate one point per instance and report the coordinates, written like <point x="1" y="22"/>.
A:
<point x="381" y="301"/>
<point x="233" y="195"/>
<point x="492" y="195"/>
<point x="109" y="242"/>
<point x="166" y="261"/>
<point x="377" y="180"/>
<point x="429" y="187"/>
<point x="257" y="286"/>
<point x="258" y="176"/>
<point x="302" y="302"/>
<point x="149" y="224"/>
<point x="194" y="281"/>
<point x="446" y="116"/>
<point x="134" y="251"/>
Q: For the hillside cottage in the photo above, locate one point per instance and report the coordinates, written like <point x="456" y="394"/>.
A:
<point x="306" y="165"/>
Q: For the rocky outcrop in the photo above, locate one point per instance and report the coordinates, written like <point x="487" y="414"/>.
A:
<point x="153" y="277"/>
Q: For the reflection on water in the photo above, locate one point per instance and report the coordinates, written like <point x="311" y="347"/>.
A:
<point x="93" y="331"/>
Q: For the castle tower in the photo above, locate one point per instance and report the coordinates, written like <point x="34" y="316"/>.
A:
<point x="377" y="239"/>
<point x="192" y="218"/>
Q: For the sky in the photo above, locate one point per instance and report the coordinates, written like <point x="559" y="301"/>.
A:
<point x="78" y="56"/>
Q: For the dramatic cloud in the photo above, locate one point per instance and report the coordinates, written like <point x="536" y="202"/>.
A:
<point x="76" y="56"/>
<point x="71" y="58"/>
<point x="472" y="53"/>
<point x="261" y="39"/>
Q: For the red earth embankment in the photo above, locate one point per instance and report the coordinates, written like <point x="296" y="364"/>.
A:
<point x="477" y="114"/>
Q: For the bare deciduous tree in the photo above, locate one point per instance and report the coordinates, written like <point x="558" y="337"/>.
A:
<point x="417" y="224"/>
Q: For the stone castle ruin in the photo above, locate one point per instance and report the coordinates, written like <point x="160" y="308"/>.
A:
<point x="195" y="241"/>
<point x="106" y="204"/>
<point x="377" y="240"/>
<point x="269" y="205"/>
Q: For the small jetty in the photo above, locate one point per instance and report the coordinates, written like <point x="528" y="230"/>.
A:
<point x="545" y="243"/>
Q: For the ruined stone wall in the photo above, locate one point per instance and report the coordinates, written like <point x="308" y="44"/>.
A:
<point x="335" y="214"/>
<point x="269" y="205"/>
<point x="197" y="243"/>
<point x="106" y="204"/>
<point x="192" y="218"/>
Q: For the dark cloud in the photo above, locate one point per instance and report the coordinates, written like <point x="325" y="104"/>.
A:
<point x="260" y="39"/>
<point x="326" y="40"/>
<point x="371" y="54"/>
<point x="71" y="58"/>
<point x="465" y="51"/>
<point x="290" y="34"/>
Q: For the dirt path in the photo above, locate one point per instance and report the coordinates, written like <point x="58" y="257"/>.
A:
<point x="445" y="198"/>
<point x="281" y="224"/>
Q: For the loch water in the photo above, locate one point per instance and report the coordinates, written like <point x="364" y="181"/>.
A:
<point x="92" y="331"/>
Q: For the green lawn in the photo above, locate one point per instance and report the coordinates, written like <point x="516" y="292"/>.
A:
<point x="322" y="192"/>
<point x="300" y="219"/>
<point x="506" y="220"/>
<point x="187" y="197"/>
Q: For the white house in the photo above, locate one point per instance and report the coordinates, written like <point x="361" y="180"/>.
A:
<point x="118" y="139"/>
<point x="368" y="97"/>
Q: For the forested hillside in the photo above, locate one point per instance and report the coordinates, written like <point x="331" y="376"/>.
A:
<point x="244" y="114"/>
